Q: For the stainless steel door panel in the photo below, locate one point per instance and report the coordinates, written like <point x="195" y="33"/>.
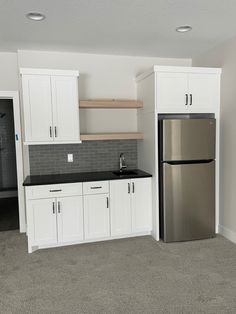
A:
<point x="189" y="201"/>
<point x="188" y="139"/>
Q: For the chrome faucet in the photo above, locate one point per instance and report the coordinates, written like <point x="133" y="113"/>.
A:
<point x="122" y="162"/>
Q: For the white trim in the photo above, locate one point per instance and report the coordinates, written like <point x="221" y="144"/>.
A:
<point x="32" y="248"/>
<point x="161" y="68"/>
<point x="14" y="96"/>
<point x="52" y="143"/>
<point x="177" y="69"/>
<point x="37" y="71"/>
<point x="227" y="233"/>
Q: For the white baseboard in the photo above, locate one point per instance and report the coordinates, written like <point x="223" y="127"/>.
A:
<point x="227" y="233"/>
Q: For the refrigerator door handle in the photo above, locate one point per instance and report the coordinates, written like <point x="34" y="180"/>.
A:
<point x="188" y="162"/>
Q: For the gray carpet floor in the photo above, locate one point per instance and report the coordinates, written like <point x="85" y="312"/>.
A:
<point x="136" y="275"/>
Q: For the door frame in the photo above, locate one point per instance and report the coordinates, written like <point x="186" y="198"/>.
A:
<point x="14" y="96"/>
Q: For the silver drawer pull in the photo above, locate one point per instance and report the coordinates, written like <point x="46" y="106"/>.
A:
<point x="55" y="190"/>
<point x="95" y="187"/>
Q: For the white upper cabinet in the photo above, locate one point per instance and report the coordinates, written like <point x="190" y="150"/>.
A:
<point x="204" y="91"/>
<point x="37" y="100"/>
<point x="65" y="108"/>
<point x="51" y="106"/>
<point x="172" y="90"/>
<point x="187" y="90"/>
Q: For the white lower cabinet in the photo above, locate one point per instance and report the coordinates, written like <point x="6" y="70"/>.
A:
<point x="141" y="204"/>
<point x="54" y="221"/>
<point x="70" y="219"/>
<point x="96" y="216"/>
<point x="63" y="214"/>
<point x="42" y="222"/>
<point x="131" y="205"/>
<point x="120" y="207"/>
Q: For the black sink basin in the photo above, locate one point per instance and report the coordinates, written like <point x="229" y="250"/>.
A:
<point x="124" y="173"/>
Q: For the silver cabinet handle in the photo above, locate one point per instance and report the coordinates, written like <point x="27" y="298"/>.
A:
<point x="133" y="187"/>
<point x="50" y="131"/>
<point x="107" y="202"/>
<point x="53" y="207"/>
<point x="186" y="99"/>
<point x="55" y="190"/>
<point x="59" y="207"/>
<point x="191" y="99"/>
<point x="95" y="187"/>
<point x="55" y="130"/>
<point x="129" y="188"/>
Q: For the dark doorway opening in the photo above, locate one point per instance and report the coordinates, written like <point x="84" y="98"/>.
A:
<point x="9" y="210"/>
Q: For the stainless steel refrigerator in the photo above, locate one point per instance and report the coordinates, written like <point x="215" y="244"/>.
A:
<point x="186" y="177"/>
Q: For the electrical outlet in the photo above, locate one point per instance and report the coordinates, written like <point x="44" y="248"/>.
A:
<point x="70" y="157"/>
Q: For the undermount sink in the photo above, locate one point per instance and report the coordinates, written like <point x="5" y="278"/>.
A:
<point x="124" y="173"/>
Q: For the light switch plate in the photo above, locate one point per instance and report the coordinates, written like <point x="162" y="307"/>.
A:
<point x="70" y="157"/>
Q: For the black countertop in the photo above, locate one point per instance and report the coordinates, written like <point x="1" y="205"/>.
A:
<point x="81" y="177"/>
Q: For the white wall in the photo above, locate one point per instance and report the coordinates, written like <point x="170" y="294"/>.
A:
<point x="225" y="56"/>
<point x="101" y="76"/>
<point x="8" y="71"/>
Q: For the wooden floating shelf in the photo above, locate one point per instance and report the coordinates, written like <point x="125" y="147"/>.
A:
<point x="111" y="103"/>
<point x="111" y="136"/>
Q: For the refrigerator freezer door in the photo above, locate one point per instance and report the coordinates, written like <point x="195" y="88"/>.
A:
<point x="188" y="139"/>
<point x="189" y="201"/>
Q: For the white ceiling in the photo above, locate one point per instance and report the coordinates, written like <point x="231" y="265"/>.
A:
<point x="122" y="27"/>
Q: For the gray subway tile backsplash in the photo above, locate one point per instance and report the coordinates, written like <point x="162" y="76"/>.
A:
<point x="88" y="156"/>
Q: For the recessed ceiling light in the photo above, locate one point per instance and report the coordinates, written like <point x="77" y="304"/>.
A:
<point x="35" y="16"/>
<point x="183" y="28"/>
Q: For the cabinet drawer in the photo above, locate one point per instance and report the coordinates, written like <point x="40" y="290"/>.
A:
<point x="96" y="187"/>
<point x="53" y="190"/>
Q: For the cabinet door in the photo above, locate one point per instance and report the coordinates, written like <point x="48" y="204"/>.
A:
<point x="120" y="207"/>
<point x="204" y="89"/>
<point x="171" y="91"/>
<point x="37" y="105"/>
<point x="42" y="221"/>
<point x="141" y="204"/>
<point x="70" y="219"/>
<point x="96" y="216"/>
<point x="65" y="108"/>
